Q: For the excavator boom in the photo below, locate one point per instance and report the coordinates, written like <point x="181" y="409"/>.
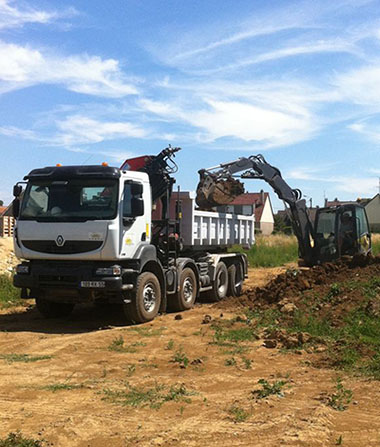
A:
<point x="218" y="186"/>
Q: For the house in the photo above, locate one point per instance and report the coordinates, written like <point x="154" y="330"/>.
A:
<point x="7" y="221"/>
<point x="257" y="203"/>
<point x="372" y="207"/>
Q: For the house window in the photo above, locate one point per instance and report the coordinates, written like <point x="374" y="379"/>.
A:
<point x="247" y="210"/>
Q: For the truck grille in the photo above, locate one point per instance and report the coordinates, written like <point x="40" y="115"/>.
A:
<point x="70" y="247"/>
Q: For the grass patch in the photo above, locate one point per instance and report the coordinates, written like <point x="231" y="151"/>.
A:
<point x="54" y="387"/>
<point x="147" y="332"/>
<point x="118" y="345"/>
<point x="375" y="244"/>
<point x="233" y="339"/>
<point x="271" y="251"/>
<point x="25" y="358"/>
<point x="153" y="397"/>
<point x="352" y="336"/>
<point x="9" y="295"/>
<point x="17" y="440"/>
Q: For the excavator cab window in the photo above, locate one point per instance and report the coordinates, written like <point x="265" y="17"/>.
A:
<point x="347" y="232"/>
<point x="325" y="234"/>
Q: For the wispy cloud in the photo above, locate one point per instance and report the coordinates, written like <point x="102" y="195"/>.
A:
<point x="355" y="185"/>
<point x="78" y="129"/>
<point x="15" y="16"/>
<point x="360" y="85"/>
<point x="332" y="46"/>
<point x="22" y="66"/>
<point x="240" y="111"/>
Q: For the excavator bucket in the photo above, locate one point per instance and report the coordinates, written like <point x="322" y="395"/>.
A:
<point x="213" y="192"/>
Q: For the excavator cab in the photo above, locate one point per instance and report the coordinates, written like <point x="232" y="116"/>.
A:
<point x="341" y="230"/>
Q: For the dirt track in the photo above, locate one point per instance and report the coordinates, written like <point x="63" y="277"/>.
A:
<point x="63" y="398"/>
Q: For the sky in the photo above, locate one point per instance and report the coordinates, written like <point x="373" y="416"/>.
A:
<point x="82" y="82"/>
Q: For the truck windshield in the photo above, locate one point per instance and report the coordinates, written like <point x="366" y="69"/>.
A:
<point x="73" y="200"/>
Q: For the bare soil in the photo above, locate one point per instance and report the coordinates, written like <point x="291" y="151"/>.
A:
<point x="67" y="397"/>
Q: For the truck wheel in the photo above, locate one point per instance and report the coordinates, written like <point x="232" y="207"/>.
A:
<point x="52" y="309"/>
<point x="235" y="280"/>
<point x="146" y="302"/>
<point x="188" y="289"/>
<point x="220" y="286"/>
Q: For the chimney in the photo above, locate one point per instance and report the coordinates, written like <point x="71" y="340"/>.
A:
<point x="262" y="196"/>
<point x="326" y="201"/>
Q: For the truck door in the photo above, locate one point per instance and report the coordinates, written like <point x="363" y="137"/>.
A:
<point x="134" y="228"/>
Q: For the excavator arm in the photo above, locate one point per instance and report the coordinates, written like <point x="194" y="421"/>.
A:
<point x="218" y="186"/>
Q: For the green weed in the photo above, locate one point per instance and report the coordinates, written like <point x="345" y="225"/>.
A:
<point x="230" y="362"/>
<point x="118" y="345"/>
<point x="238" y="414"/>
<point x="247" y="363"/>
<point x="334" y="291"/>
<point x="170" y="345"/>
<point x="17" y="440"/>
<point x="181" y="358"/>
<point x="341" y="398"/>
<point x="268" y="389"/>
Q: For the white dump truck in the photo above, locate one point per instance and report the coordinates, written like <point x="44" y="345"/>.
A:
<point x="100" y="233"/>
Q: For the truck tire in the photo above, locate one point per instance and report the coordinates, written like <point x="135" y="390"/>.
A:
<point x="52" y="309"/>
<point x="235" y="280"/>
<point x="188" y="289"/>
<point x="145" y="304"/>
<point x="220" y="286"/>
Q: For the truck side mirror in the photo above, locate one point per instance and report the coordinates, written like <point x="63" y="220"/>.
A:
<point x="137" y="207"/>
<point x="17" y="190"/>
<point x="16" y="207"/>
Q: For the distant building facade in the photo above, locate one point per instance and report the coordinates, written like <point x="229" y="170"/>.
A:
<point x="257" y="203"/>
<point x="7" y="221"/>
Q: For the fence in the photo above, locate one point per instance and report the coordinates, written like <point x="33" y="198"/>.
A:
<point x="6" y="226"/>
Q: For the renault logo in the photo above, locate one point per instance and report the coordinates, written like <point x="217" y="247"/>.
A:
<point x="60" y="241"/>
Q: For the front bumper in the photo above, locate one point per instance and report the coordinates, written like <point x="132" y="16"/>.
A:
<point x="78" y="276"/>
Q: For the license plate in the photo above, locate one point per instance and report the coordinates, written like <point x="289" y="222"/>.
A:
<point x="93" y="283"/>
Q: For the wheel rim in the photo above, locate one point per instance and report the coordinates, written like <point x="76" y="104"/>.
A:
<point x="149" y="297"/>
<point x="221" y="282"/>
<point x="188" y="290"/>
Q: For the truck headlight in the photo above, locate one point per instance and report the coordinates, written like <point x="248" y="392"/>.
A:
<point x="22" y="269"/>
<point x="115" y="270"/>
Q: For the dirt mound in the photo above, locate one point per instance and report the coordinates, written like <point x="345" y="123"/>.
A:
<point x="333" y="287"/>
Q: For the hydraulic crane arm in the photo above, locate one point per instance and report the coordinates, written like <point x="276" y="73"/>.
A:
<point x="218" y="187"/>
